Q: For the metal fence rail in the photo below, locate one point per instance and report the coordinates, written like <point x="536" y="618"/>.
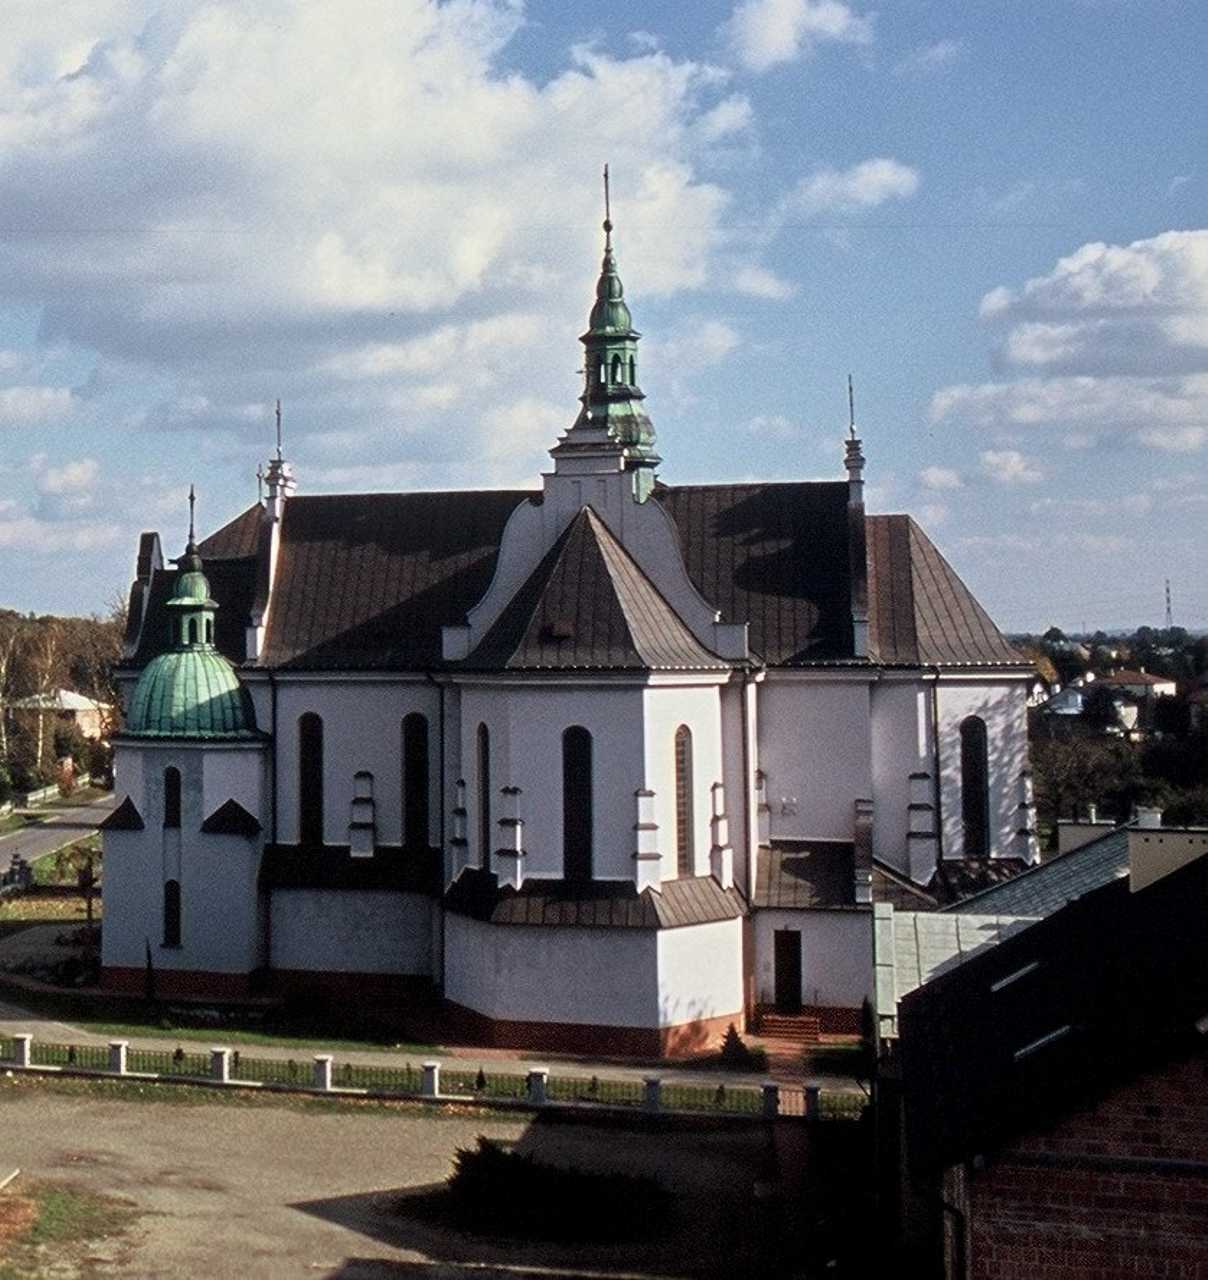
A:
<point x="432" y="1082"/>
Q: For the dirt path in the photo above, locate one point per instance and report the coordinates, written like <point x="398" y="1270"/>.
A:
<point x="250" y="1192"/>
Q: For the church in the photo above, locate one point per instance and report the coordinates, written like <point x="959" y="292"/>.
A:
<point x="602" y="766"/>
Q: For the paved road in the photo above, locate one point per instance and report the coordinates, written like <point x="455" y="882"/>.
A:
<point x="62" y="827"/>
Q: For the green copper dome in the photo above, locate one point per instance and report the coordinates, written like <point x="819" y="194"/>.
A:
<point x="610" y="314"/>
<point x="191" y="691"/>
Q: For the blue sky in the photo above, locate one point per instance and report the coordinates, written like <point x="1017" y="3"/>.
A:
<point x="386" y="212"/>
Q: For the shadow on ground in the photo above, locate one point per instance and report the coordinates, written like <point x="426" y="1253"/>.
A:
<point x="717" y="1225"/>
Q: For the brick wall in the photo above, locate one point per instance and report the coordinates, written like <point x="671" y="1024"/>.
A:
<point x="1119" y="1188"/>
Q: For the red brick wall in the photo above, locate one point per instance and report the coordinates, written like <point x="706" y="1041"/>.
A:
<point x="1118" y="1189"/>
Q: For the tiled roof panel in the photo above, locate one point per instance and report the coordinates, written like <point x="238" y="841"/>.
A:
<point x="234" y="540"/>
<point x="1042" y="890"/>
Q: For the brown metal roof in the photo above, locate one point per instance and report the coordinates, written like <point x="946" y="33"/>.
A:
<point x="805" y="874"/>
<point x="920" y="612"/>
<point x="600" y="904"/>
<point x="588" y="605"/>
<point x="366" y="581"/>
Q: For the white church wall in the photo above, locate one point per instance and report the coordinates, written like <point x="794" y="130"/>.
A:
<point x="351" y="931"/>
<point x="526" y="724"/>
<point x="666" y="707"/>
<point x="362" y="730"/>
<point x="128" y="776"/>
<point x="607" y="977"/>
<point x="1002" y="704"/>
<point x="739" y="802"/>
<point x="836" y="955"/>
<point x="815" y="750"/>
<point x="700" y="973"/>
<point x="235" y="773"/>
<point x="133" y="898"/>
<point x="219" y="898"/>
<point x="901" y="745"/>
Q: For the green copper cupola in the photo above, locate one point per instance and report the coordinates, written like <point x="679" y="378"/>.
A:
<point x="191" y="690"/>
<point x="612" y="400"/>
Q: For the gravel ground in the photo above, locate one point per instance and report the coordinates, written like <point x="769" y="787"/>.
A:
<point x="266" y="1191"/>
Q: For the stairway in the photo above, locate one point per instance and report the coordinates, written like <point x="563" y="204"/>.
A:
<point x="800" y="1029"/>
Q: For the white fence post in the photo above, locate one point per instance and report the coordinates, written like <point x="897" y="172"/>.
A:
<point x="654" y="1089"/>
<point x="771" y="1100"/>
<point x="322" y="1075"/>
<point x="538" y="1080"/>
<point x="430" y="1087"/>
<point x="23" y="1040"/>
<point x="220" y="1065"/>
<point x="117" y="1056"/>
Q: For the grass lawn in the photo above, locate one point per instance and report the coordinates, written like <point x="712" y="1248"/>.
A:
<point x="19" y="821"/>
<point x="44" y="908"/>
<point x="54" y="1228"/>
<point x="232" y="1034"/>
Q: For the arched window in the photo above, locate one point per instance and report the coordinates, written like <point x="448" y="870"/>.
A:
<point x="415" y="781"/>
<point x="310" y="779"/>
<point x="576" y="804"/>
<point x="171" y="797"/>
<point x="633" y="371"/>
<point x="484" y="797"/>
<point x="616" y="369"/>
<point x="975" y="788"/>
<point x="192" y="630"/>
<point x="685" y="863"/>
<point x="209" y="631"/>
<point x="171" y="913"/>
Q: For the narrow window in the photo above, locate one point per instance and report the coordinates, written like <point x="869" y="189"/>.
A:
<point x="171" y="797"/>
<point x="975" y="788"/>
<point x="576" y="804"/>
<point x="633" y="372"/>
<point x="616" y="369"/>
<point x="484" y="797"/>
<point x="684" y="860"/>
<point x="209" y="631"/>
<point x="171" y="913"/>
<point x="192" y="630"/>
<point x="415" y="781"/>
<point x="310" y="779"/>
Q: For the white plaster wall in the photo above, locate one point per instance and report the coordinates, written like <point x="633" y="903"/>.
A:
<point x="901" y="745"/>
<point x="836" y="955"/>
<point x="128" y="775"/>
<point x="815" y="745"/>
<point x="700" y="972"/>
<point x="666" y="708"/>
<point x="738" y="799"/>
<point x="351" y="931"/>
<point x="236" y="774"/>
<point x="607" y="977"/>
<point x="526" y="724"/>
<point x="362" y="730"/>
<point x="1002" y="704"/>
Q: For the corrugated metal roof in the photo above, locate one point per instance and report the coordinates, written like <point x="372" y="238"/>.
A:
<point x="926" y="944"/>
<point x="601" y="904"/>
<point x="804" y="874"/>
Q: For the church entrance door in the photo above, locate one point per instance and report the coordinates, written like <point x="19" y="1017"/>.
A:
<point x="788" y="970"/>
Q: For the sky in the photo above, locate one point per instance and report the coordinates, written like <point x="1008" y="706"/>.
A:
<point x="387" y="214"/>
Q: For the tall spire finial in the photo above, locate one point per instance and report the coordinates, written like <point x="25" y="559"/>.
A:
<point x="607" y="213"/>
<point x="192" y="505"/>
<point x="851" y="408"/>
<point x="279" y="431"/>
<point x="259" y="482"/>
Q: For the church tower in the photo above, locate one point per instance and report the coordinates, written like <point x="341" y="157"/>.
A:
<point x="613" y="429"/>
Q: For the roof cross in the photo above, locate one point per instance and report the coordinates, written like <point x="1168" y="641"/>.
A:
<point x="192" y="504"/>
<point x="278" y="430"/>
<point x="851" y="408"/>
<point x="607" y="212"/>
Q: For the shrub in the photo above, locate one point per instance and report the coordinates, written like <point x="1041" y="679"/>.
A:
<point x="504" y="1192"/>
<point x="739" y="1055"/>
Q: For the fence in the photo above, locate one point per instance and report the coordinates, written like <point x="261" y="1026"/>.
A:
<point x="427" y="1082"/>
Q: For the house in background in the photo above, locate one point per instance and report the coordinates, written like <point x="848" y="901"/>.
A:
<point x="92" y="718"/>
<point x="606" y="764"/>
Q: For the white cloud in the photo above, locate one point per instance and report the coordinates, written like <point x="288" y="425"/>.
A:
<point x="731" y="115"/>
<point x="933" y="514"/>
<point x="758" y="282"/>
<point x="863" y="186"/>
<point x="73" y="477"/>
<point x="34" y="406"/>
<point x="1010" y="467"/>
<point x="766" y="33"/>
<point x="693" y="344"/>
<point x="21" y="531"/>
<point x="939" y="478"/>
<point x="775" y="426"/>
<point x="929" y="58"/>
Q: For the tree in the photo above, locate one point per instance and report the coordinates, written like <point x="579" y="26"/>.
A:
<point x="81" y="861"/>
<point x="12" y="631"/>
<point x="44" y="659"/>
<point x="1054" y="635"/>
